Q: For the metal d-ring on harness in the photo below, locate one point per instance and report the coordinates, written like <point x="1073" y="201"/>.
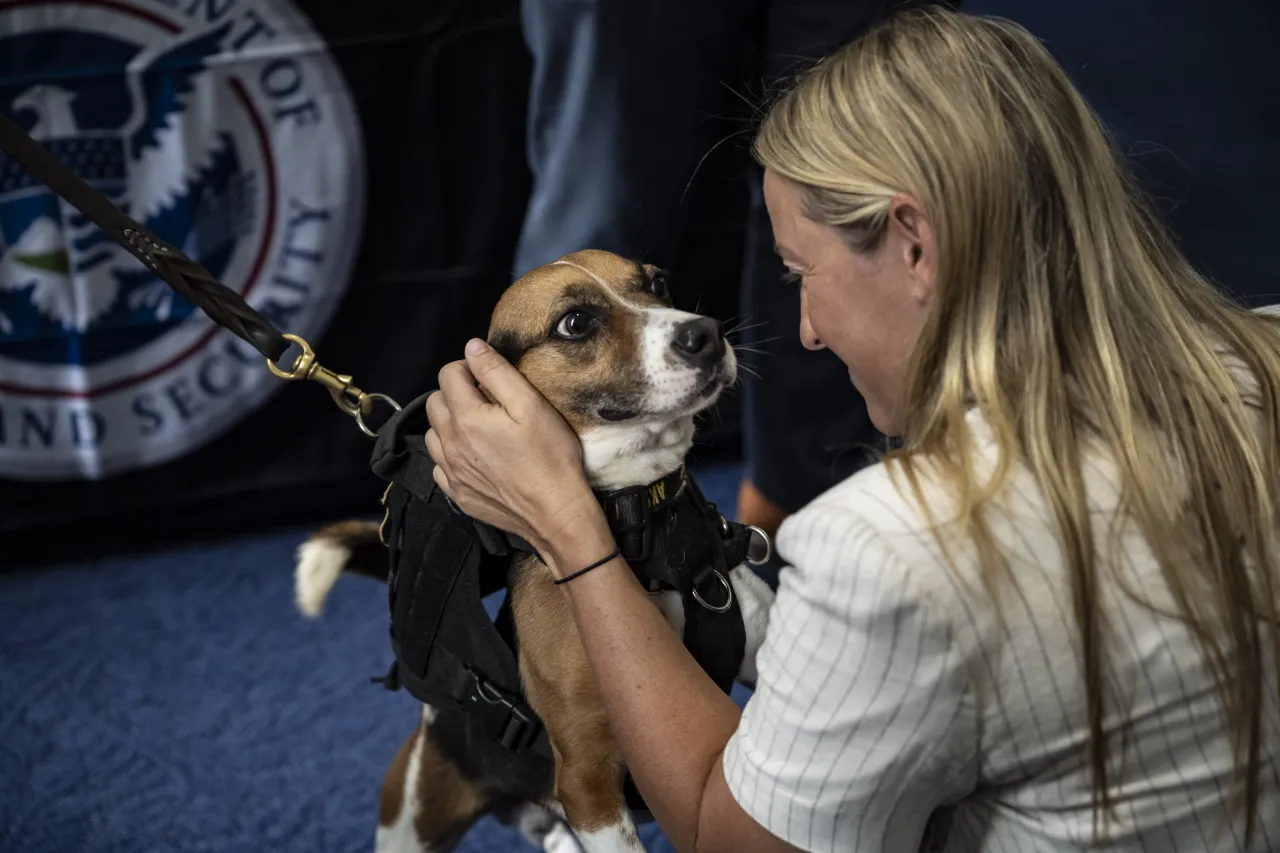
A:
<point x="724" y="585"/>
<point x="759" y="552"/>
<point x="441" y="563"/>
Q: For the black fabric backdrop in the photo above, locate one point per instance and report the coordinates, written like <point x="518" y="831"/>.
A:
<point x="441" y="91"/>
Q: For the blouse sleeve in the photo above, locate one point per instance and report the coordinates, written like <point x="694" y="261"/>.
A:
<point x="862" y="723"/>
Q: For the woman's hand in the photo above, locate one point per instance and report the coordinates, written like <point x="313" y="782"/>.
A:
<point x="513" y="463"/>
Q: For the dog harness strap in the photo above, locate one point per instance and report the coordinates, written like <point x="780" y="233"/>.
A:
<point x="437" y="547"/>
<point x="449" y="654"/>
<point x="693" y="554"/>
<point x="630" y="512"/>
<point x="398" y="458"/>
<point x="714" y="630"/>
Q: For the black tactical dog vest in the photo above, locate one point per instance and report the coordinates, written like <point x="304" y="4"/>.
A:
<point x="451" y="655"/>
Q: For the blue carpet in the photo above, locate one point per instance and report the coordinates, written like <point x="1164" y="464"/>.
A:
<point x="178" y="702"/>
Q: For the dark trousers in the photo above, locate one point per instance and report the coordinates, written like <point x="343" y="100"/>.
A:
<point x="621" y="113"/>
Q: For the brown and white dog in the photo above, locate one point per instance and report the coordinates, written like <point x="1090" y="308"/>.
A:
<point x="597" y="335"/>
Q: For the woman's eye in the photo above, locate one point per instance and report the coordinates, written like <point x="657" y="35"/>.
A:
<point x="790" y="277"/>
<point x="575" y="325"/>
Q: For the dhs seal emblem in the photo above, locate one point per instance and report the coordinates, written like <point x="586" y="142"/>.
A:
<point x="226" y="128"/>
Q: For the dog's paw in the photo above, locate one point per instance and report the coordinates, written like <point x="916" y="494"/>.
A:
<point x="560" y="840"/>
<point x="545" y="830"/>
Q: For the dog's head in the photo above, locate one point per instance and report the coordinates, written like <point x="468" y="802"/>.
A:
<point x="597" y="335"/>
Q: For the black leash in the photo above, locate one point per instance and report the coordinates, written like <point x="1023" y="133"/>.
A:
<point x="188" y="279"/>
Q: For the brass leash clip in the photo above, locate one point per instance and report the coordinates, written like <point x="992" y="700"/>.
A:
<point x="349" y="398"/>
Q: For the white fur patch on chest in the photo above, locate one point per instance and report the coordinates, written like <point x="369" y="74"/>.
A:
<point x="672" y="609"/>
<point x="618" y="455"/>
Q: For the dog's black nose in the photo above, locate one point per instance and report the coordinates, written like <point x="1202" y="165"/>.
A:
<point x="700" y="342"/>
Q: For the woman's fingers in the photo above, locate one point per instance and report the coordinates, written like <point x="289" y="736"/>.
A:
<point x="499" y="461"/>
<point x="438" y="415"/>
<point x="442" y="480"/>
<point x="476" y="505"/>
<point x="459" y="386"/>
<point x="507" y="385"/>
<point x="434" y="449"/>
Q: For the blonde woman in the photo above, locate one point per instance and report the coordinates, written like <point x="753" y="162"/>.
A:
<point x="1048" y="622"/>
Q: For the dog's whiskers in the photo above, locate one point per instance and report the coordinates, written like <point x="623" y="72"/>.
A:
<point x="703" y="159"/>
<point x="744" y="325"/>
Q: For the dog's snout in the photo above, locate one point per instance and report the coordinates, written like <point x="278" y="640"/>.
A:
<point x="700" y="342"/>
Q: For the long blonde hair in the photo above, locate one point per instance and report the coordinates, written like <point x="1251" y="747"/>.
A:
<point x="1064" y="312"/>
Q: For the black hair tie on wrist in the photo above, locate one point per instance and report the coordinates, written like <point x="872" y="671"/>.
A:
<point x="595" y="565"/>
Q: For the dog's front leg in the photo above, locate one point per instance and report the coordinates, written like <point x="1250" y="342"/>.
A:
<point x="561" y="689"/>
<point x="589" y="786"/>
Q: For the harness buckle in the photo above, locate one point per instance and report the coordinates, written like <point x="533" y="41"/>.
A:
<point x="632" y="515"/>
<point x="506" y="719"/>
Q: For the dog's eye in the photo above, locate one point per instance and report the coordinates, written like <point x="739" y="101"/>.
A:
<point x="575" y="325"/>
<point x="658" y="285"/>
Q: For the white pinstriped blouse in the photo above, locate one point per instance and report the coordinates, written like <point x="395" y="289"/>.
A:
<point x="889" y="694"/>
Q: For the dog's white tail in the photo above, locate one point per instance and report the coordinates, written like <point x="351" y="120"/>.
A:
<point x="350" y="546"/>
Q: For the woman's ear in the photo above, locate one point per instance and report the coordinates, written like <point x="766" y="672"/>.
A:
<point x="913" y="237"/>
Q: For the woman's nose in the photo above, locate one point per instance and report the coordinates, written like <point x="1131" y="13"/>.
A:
<point x="808" y="337"/>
